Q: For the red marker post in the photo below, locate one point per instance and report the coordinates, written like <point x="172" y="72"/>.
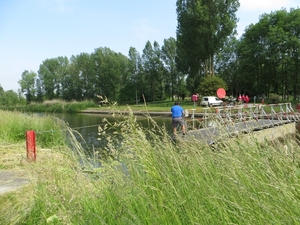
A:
<point x="30" y="146"/>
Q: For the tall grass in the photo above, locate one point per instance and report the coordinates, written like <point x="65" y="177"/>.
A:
<point x="49" y="131"/>
<point x="149" y="179"/>
<point x="54" y="106"/>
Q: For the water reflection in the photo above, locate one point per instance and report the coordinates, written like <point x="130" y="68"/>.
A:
<point x="87" y="125"/>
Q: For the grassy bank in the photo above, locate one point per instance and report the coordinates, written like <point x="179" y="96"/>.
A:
<point x="148" y="179"/>
<point x="58" y="106"/>
<point x="15" y="124"/>
<point x="54" y="106"/>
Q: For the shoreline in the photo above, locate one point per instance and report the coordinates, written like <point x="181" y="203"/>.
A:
<point x="138" y="113"/>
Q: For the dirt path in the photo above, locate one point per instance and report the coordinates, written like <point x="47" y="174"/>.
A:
<point x="10" y="181"/>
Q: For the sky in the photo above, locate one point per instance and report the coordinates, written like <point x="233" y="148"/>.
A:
<point x="32" y="31"/>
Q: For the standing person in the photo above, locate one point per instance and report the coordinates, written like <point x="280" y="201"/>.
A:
<point x="177" y="117"/>
<point x="240" y="99"/>
<point x="247" y="99"/>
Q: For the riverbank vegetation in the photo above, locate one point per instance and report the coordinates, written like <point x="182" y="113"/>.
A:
<point x="53" y="106"/>
<point x="59" y="106"/>
<point x="146" y="178"/>
<point x="15" y="124"/>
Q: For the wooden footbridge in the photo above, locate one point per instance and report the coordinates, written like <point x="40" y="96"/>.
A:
<point x="231" y="121"/>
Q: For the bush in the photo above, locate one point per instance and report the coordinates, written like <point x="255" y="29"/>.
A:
<point x="274" y="98"/>
<point x="210" y="85"/>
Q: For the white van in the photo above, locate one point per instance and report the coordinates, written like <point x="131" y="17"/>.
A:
<point x="211" y="101"/>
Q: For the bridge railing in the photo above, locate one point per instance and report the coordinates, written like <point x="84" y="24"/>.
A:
<point x="283" y="112"/>
<point x="275" y="114"/>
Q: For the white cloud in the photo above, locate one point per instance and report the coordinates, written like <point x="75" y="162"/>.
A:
<point x="144" y="31"/>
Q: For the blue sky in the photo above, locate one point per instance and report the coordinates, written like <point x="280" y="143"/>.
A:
<point x="32" y="31"/>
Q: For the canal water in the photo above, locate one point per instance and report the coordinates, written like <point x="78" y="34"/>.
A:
<point x="87" y="125"/>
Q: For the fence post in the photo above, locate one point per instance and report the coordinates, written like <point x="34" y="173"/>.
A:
<point x="30" y="146"/>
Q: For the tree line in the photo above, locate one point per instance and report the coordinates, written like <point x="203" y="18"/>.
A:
<point x="151" y="76"/>
<point x="206" y="53"/>
<point x="268" y="55"/>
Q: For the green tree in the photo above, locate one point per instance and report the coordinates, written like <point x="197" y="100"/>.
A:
<point x="9" y="98"/>
<point x="27" y="84"/>
<point x="174" y="79"/>
<point x="82" y="72"/>
<point x="292" y="27"/>
<point x="227" y="65"/>
<point x="132" y="88"/>
<point x="1" y="90"/>
<point x="109" y="67"/>
<point x="51" y="73"/>
<point x="202" y="28"/>
<point x="154" y="72"/>
<point x="268" y="54"/>
<point x="78" y="83"/>
<point x="71" y="86"/>
<point x="2" y="95"/>
<point x="39" y="91"/>
<point x="210" y="85"/>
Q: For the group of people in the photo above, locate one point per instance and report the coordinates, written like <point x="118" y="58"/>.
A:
<point x="178" y="114"/>
<point x="243" y="98"/>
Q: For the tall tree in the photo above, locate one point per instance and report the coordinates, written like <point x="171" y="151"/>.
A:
<point x="269" y="54"/>
<point x="292" y="27"/>
<point x="78" y="84"/>
<point x="173" y="77"/>
<point x="133" y="88"/>
<point x="153" y="70"/>
<point x="109" y="68"/>
<point x="227" y="65"/>
<point x="71" y="82"/>
<point x="27" y="84"/>
<point x="9" y="98"/>
<point x="50" y="73"/>
<point x="38" y="91"/>
<point x="203" y="26"/>
<point x="161" y="71"/>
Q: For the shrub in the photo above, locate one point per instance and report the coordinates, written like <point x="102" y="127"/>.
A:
<point x="274" y="98"/>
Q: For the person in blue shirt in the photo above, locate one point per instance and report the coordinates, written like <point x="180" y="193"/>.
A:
<point x="177" y="117"/>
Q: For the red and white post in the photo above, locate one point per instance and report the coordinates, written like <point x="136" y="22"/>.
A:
<point x="30" y="146"/>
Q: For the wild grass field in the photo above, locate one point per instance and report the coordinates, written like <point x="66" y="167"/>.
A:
<point x="146" y="178"/>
